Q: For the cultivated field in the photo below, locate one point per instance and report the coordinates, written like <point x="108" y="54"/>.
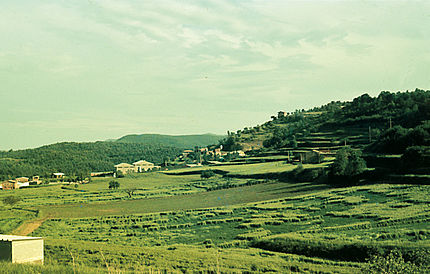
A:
<point x="176" y="222"/>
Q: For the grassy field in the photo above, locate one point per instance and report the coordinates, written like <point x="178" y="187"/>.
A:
<point x="225" y="197"/>
<point x="252" y="169"/>
<point x="178" y="222"/>
<point x="326" y="224"/>
<point x="147" y="185"/>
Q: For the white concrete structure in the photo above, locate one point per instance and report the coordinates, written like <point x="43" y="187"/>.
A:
<point x="23" y="184"/>
<point x="21" y="249"/>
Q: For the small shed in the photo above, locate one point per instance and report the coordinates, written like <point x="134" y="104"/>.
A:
<point x="58" y="175"/>
<point x="21" y="249"/>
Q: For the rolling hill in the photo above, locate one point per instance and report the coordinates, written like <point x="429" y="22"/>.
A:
<point x="79" y="158"/>
<point x="387" y="123"/>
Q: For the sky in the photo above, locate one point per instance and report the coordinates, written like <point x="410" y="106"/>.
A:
<point x="99" y="69"/>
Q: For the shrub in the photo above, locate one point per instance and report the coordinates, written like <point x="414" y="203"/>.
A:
<point x="347" y="167"/>
<point x="206" y="174"/>
<point x="391" y="263"/>
<point x="416" y="156"/>
<point x="11" y="200"/>
<point x="113" y="184"/>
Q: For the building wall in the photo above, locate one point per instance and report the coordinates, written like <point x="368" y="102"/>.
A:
<point x="9" y="185"/>
<point x="6" y="251"/>
<point x="141" y="168"/>
<point x="27" y="251"/>
<point x="125" y="170"/>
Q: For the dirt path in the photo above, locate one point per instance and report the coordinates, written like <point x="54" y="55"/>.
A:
<point x="29" y="226"/>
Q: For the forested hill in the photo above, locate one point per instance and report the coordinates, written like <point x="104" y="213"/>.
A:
<point x="182" y="141"/>
<point x="79" y="158"/>
<point x="387" y="123"/>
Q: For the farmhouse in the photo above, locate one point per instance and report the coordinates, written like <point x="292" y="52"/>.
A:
<point x="22" y="180"/>
<point x="9" y="185"/>
<point x="139" y="166"/>
<point x="305" y="156"/>
<point x="124" y="168"/>
<point x="21" y="249"/>
<point x="142" y="165"/>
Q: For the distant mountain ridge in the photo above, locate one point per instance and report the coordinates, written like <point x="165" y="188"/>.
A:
<point x="182" y="141"/>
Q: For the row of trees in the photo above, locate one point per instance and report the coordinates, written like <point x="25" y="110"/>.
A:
<point x="397" y="139"/>
<point x="404" y="109"/>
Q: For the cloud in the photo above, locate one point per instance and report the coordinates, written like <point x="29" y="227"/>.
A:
<point x="199" y="59"/>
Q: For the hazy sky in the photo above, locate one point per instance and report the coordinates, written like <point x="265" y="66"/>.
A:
<point x="97" y="69"/>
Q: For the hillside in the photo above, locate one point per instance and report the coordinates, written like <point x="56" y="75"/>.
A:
<point x="253" y="214"/>
<point x="382" y="123"/>
<point x="182" y="141"/>
<point x="78" y="158"/>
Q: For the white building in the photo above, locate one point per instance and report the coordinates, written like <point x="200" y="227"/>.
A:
<point x="21" y="249"/>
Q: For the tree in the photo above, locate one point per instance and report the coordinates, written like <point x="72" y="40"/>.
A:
<point x="130" y="191"/>
<point x="348" y="163"/>
<point x="113" y="185"/>
<point x="293" y="142"/>
<point x="11" y="200"/>
<point x="347" y="167"/>
<point x="206" y="174"/>
<point x="231" y="143"/>
<point x="392" y="263"/>
<point x="415" y="157"/>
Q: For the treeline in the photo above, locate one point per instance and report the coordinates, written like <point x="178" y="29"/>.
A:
<point x="397" y="139"/>
<point x="182" y="141"/>
<point x="404" y="109"/>
<point x="78" y="158"/>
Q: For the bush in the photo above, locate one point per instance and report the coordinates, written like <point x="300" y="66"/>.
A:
<point x="391" y="263"/>
<point x="11" y="200"/>
<point x="113" y="184"/>
<point x="347" y="167"/>
<point x="305" y="175"/>
<point x="206" y="174"/>
<point x="415" y="157"/>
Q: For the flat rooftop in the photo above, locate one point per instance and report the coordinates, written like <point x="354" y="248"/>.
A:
<point x="11" y="238"/>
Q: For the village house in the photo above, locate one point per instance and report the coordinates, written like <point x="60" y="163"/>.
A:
<point x="10" y="185"/>
<point x="282" y="114"/>
<point x="35" y="180"/>
<point x="124" y="168"/>
<point x="305" y="156"/>
<point x="139" y="166"/>
<point x="240" y="153"/>
<point x="58" y="175"/>
<point x="20" y="182"/>
<point x="142" y="165"/>
<point x="21" y="249"/>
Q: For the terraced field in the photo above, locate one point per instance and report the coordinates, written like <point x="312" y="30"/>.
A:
<point x="177" y="221"/>
<point x="345" y="224"/>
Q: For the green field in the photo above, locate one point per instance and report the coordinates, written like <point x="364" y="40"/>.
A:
<point x="252" y="169"/>
<point x="176" y="221"/>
